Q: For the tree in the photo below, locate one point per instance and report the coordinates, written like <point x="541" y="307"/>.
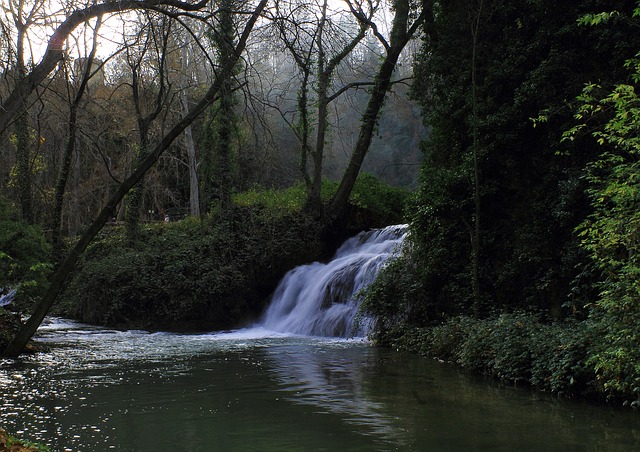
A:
<point x="318" y="48"/>
<point x="475" y="234"/>
<point x="87" y="70"/>
<point x="24" y="16"/>
<point x="402" y="31"/>
<point x="192" y="160"/>
<point x="151" y="94"/>
<point x="63" y="270"/>
<point x="218" y="163"/>
<point x="611" y="233"/>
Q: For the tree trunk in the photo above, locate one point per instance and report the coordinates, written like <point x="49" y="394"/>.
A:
<point x="400" y="35"/>
<point x="475" y="240"/>
<point x="369" y="120"/>
<point x="194" y="189"/>
<point x="23" y="161"/>
<point x="23" y="166"/>
<point x="70" y="149"/>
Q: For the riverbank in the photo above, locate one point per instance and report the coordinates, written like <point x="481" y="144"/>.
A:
<point x="217" y="272"/>
<point x="515" y="348"/>
<point x="519" y="347"/>
<point x="12" y="444"/>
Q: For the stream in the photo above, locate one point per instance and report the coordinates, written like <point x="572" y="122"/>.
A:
<point x="301" y="379"/>
<point x="100" y="389"/>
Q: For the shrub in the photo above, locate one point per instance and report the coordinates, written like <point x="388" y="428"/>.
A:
<point x="190" y="274"/>
<point x="376" y="203"/>
<point x="24" y="257"/>
<point x="515" y="348"/>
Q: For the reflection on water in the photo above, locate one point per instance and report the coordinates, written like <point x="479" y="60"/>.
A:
<point x="101" y="389"/>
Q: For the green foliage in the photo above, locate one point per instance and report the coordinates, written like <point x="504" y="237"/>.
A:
<point x="371" y="194"/>
<point x="515" y="348"/>
<point x="191" y="274"/>
<point x="531" y="193"/>
<point x="611" y="234"/>
<point x="11" y="443"/>
<point x="384" y="203"/>
<point x="288" y="200"/>
<point x="597" y="18"/>
<point x="24" y="256"/>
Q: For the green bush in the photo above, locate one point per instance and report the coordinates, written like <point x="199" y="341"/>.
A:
<point x="190" y="274"/>
<point x="24" y="257"/>
<point x="515" y="348"/>
<point x="384" y="203"/>
<point x="375" y="203"/>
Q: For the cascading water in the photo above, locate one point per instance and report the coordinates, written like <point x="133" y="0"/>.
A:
<point x="319" y="299"/>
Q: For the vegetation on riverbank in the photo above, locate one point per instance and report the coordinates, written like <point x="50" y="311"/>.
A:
<point x="523" y="255"/>
<point x="10" y="443"/>
<point x="25" y="264"/>
<point x="217" y="272"/>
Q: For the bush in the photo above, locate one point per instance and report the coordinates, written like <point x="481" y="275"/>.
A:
<point x="190" y="274"/>
<point x="515" y="348"/>
<point x="375" y="203"/>
<point x="24" y="257"/>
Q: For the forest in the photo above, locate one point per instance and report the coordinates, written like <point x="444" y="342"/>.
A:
<point x="163" y="163"/>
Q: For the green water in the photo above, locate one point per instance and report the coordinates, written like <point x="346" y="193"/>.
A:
<point x="249" y="390"/>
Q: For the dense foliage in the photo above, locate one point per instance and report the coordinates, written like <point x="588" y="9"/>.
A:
<point x="217" y="272"/>
<point x="24" y="267"/>
<point x="611" y="232"/>
<point x="190" y="274"/>
<point x="24" y="256"/>
<point x="557" y="218"/>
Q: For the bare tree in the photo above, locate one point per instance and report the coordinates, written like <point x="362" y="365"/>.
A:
<point x="319" y="44"/>
<point x="87" y="69"/>
<point x="192" y="160"/>
<point x="151" y="93"/>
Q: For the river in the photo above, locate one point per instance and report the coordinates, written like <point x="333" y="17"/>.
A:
<point x="293" y="382"/>
<point x="99" y="389"/>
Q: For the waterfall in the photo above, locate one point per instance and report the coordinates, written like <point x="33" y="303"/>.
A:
<point x="319" y="299"/>
<point x="7" y="299"/>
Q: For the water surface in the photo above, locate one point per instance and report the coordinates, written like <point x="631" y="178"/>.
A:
<point x="99" y="389"/>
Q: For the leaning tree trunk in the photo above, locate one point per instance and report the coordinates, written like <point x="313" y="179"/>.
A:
<point x="401" y="33"/>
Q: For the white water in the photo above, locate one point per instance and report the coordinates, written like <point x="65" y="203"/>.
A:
<point x="320" y="299"/>
<point x="7" y="299"/>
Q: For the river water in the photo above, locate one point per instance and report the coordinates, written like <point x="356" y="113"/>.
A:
<point x="99" y="389"/>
